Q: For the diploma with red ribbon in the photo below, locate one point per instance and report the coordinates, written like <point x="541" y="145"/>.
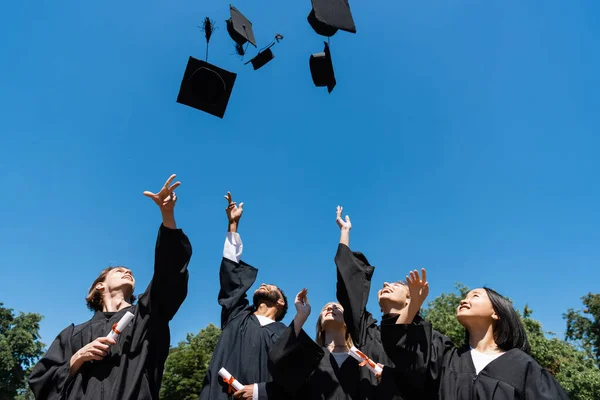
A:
<point x="119" y="326"/>
<point x="230" y="381"/>
<point x="364" y="360"/>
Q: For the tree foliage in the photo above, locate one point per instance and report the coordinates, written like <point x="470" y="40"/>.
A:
<point x="20" y="348"/>
<point x="187" y="364"/>
<point x="583" y="326"/>
<point x="573" y="369"/>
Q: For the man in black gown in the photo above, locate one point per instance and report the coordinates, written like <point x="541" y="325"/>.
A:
<point x="248" y="331"/>
<point x="82" y="363"/>
<point x="354" y="275"/>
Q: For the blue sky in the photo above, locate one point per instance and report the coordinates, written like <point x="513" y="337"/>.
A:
<point x="462" y="137"/>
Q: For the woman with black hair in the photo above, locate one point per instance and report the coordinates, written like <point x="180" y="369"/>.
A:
<point x="494" y="362"/>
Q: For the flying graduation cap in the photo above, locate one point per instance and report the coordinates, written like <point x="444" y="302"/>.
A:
<point x="321" y="69"/>
<point x="204" y="86"/>
<point x="327" y="16"/>
<point x="265" y="55"/>
<point x="240" y="29"/>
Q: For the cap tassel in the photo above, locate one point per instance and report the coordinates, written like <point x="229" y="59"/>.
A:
<point x="208" y="27"/>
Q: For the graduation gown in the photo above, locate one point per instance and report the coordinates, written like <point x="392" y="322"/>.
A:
<point x="353" y="287"/>
<point x="448" y="373"/>
<point x="308" y="371"/>
<point x="134" y="367"/>
<point x="243" y="346"/>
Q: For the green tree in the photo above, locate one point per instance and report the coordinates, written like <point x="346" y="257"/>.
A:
<point x="573" y="369"/>
<point x="187" y="364"/>
<point x="20" y="348"/>
<point x="583" y="326"/>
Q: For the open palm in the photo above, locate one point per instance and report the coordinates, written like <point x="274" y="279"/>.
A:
<point x="166" y="197"/>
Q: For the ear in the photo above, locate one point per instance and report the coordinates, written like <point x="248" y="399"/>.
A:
<point x="280" y="302"/>
<point x="100" y="286"/>
<point x="495" y="316"/>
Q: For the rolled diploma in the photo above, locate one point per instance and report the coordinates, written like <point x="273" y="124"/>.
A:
<point x="120" y="326"/>
<point x="360" y="356"/>
<point x="227" y="376"/>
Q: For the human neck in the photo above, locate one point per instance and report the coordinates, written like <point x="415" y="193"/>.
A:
<point x="266" y="311"/>
<point x="334" y="340"/>
<point x="390" y="309"/>
<point x="114" y="302"/>
<point x="482" y="340"/>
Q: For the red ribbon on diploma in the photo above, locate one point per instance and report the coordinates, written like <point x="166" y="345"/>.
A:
<point x="229" y="383"/>
<point x="115" y="330"/>
<point x="366" y="360"/>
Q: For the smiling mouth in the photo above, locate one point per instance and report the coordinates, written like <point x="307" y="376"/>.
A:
<point x="128" y="277"/>
<point x="463" y="308"/>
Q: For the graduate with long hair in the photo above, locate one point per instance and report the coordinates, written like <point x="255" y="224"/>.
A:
<point x="321" y="369"/>
<point x="493" y="364"/>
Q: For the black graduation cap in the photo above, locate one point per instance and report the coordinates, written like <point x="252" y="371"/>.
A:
<point x="239" y="28"/>
<point x="262" y="58"/>
<point x="321" y="69"/>
<point x="327" y="16"/>
<point x="206" y="87"/>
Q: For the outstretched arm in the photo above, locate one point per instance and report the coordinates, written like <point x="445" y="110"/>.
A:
<point x="169" y="285"/>
<point x="353" y="283"/>
<point x="419" y="290"/>
<point x="235" y="276"/>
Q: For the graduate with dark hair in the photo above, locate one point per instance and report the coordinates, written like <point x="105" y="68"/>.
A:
<point x="493" y="364"/>
<point x="354" y="275"/>
<point x="247" y="330"/>
<point x="83" y="363"/>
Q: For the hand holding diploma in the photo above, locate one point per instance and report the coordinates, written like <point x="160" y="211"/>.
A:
<point x="230" y="380"/>
<point x="365" y="361"/>
<point x="119" y="326"/>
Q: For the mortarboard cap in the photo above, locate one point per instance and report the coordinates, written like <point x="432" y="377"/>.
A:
<point x="262" y="58"/>
<point x="327" y="16"/>
<point x="321" y="69"/>
<point x="239" y="28"/>
<point x="206" y="87"/>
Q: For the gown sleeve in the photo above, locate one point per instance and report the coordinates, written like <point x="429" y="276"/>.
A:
<point x="541" y="385"/>
<point x="169" y="285"/>
<point x="353" y="285"/>
<point x="418" y="353"/>
<point x="235" y="279"/>
<point x="292" y="360"/>
<point x="50" y="379"/>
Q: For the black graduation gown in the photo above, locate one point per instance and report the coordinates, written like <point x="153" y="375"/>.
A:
<point x="243" y="347"/>
<point x="133" y="369"/>
<point x="353" y="287"/>
<point x="308" y="371"/>
<point x="449" y="373"/>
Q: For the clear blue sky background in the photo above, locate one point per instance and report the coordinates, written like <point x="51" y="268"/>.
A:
<point x="462" y="137"/>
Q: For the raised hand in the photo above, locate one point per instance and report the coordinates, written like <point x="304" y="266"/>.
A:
<point x="166" y="197"/>
<point x="343" y="224"/>
<point x="234" y="213"/>
<point x="302" y="310"/>
<point x="302" y="305"/>
<point x="419" y="287"/>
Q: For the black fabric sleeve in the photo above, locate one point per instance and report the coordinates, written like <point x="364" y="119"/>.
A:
<point x="235" y="279"/>
<point x="169" y="286"/>
<point x="353" y="286"/>
<point x="292" y="359"/>
<point x="50" y="379"/>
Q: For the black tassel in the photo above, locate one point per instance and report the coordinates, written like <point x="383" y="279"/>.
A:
<point x="208" y="27"/>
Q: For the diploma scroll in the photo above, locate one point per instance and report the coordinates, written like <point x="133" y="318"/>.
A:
<point x="230" y="380"/>
<point x="364" y="360"/>
<point x="119" y="326"/>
